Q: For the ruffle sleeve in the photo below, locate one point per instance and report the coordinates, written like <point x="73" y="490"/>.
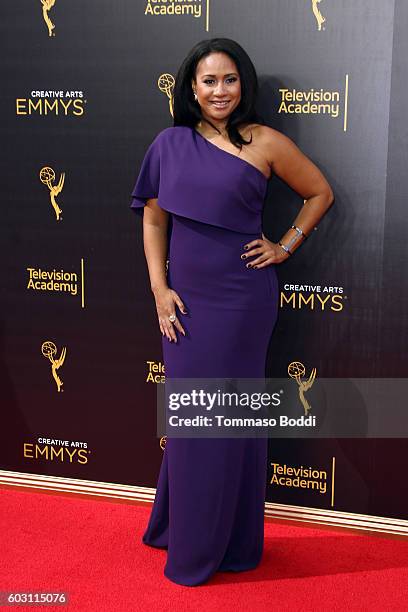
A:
<point x="148" y="180"/>
<point x="193" y="178"/>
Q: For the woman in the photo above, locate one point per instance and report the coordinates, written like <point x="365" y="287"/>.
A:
<point x="201" y="189"/>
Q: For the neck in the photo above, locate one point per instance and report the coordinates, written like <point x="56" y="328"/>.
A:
<point x="220" y="124"/>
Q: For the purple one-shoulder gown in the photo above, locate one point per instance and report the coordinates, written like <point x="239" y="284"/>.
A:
<point x="209" y="506"/>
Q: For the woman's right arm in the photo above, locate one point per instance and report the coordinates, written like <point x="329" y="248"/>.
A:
<point x="155" y="224"/>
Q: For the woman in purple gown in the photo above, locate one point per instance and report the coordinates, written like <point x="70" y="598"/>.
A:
<point x="201" y="189"/>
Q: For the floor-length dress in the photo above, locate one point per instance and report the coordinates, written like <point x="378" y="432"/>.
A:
<point x="209" y="505"/>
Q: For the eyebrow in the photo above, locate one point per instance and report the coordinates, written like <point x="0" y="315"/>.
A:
<point x="228" y="74"/>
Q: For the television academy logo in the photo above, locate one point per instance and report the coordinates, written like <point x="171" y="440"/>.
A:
<point x="58" y="281"/>
<point x="155" y="372"/>
<point x="181" y="8"/>
<point x="301" y="477"/>
<point x="47" y="176"/>
<point x="332" y="103"/>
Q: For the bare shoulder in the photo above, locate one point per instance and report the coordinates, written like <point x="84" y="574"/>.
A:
<point x="268" y="146"/>
<point x="274" y="143"/>
<point x="282" y="152"/>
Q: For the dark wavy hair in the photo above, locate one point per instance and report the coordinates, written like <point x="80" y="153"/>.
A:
<point x="186" y="111"/>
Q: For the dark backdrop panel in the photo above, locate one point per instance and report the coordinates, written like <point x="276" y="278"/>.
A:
<point x="112" y="55"/>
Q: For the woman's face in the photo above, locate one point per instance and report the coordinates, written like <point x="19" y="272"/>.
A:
<point x="217" y="86"/>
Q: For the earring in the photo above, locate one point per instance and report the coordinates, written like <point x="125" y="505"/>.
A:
<point x="195" y="96"/>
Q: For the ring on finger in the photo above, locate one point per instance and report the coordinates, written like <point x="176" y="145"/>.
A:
<point x="172" y="318"/>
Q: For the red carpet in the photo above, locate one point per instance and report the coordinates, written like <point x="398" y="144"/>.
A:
<point x="92" y="550"/>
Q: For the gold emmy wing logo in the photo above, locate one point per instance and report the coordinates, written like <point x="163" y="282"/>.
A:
<point x="49" y="350"/>
<point x="47" y="176"/>
<point x="296" y="370"/>
<point x="46" y="6"/>
<point x="166" y="83"/>
<point x="316" y="12"/>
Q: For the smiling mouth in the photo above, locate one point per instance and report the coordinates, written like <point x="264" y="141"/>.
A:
<point x="221" y="104"/>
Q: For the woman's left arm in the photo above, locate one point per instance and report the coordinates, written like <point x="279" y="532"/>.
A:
<point x="289" y="163"/>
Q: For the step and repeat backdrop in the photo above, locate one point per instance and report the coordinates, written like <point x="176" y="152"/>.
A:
<point x="86" y="86"/>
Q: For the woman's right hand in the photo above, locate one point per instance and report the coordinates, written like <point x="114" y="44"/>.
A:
<point x="166" y="301"/>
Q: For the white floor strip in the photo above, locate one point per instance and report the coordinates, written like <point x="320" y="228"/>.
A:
<point x="111" y="490"/>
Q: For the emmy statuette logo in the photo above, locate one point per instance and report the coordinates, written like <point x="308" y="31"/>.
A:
<point x="49" y="350"/>
<point x="296" y="370"/>
<point x="166" y="83"/>
<point x="318" y="16"/>
<point x="47" y="176"/>
<point x="46" y="6"/>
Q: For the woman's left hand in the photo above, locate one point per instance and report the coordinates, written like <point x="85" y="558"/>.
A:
<point x="268" y="253"/>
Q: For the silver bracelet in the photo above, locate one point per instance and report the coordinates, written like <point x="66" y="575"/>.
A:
<point x="299" y="231"/>
<point x="298" y="234"/>
<point x="285" y="248"/>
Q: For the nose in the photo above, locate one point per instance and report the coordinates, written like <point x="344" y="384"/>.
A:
<point x="220" y="89"/>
